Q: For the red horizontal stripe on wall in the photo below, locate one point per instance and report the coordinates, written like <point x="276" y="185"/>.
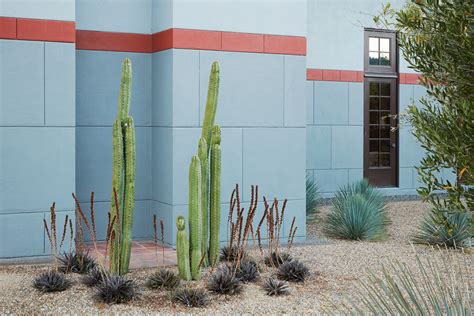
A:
<point x="162" y="40"/>
<point x="351" y="76"/>
<point x="46" y="30"/>
<point x="409" y="78"/>
<point x="197" y="39"/>
<point x="8" y="28"/>
<point x="240" y="42"/>
<point x="115" y="42"/>
<point x="289" y="45"/>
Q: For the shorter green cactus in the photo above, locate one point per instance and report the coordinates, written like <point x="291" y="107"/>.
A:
<point x="182" y="250"/>
<point x="195" y="216"/>
<point x="215" y="195"/>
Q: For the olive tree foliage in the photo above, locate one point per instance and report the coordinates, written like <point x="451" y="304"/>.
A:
<point x="436" y="39"/>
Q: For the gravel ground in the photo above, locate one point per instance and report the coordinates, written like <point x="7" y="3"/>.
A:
<point x="336" y="267"/>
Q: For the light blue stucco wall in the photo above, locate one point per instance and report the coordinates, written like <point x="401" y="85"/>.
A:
<point x="262" y="113"/>
<point x="37" y="141"/>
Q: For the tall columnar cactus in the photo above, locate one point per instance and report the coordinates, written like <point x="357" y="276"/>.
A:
<point x="215" y="195"/>
<point x="123" y="177"/>
<point x="195" y="216"/>
<point x="211" y="104"/>
<point x="182" y="250"/>
<point x="203" y="157"/>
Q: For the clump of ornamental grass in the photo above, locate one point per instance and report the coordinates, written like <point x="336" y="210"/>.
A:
<point x="163" y="279"/>
<point x="358" y="213"/>
<point x="231" y="254"/>
<point x="439" y="284"/>
<point x="293" y="271"/>
<point x="116" y="289"/>
<point x="224" y="281"/>
<point x="51" y="281"/>
<point x="191" y="297"/>
<point x="76" y="262"/>
<point x="444" y="228"/>
<point x="312" y="198"/>
<point x="275" y="287"/>
<point x="275" y="259"/>
<point x="246" y="271"/>
<point x="95" y="276"/>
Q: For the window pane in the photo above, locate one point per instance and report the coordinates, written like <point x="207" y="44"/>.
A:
<point x="373" y="160"/>
<point x="373" y="44"/>
<point x="385" y="160"/>
<point x="385" y="146"/>
<point x="374" y="103"/>
<point x="374" y="88"/>
<point x="374" y="132"/>
<point x="374" y="117"/>
<point x="385" y="103"/>
<point x="385" y="118"/>
<point x="385" y="45"/>
<point x="374" y="146"/>
<point x="384" y="132"/>
<point x="385" y="59"/>
<point x="385" y="89"/>
<point x="373" y="58"/>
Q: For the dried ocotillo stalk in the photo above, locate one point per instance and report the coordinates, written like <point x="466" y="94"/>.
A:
<point x="94" y="231"/>
<point x="81" y="213"/>
<point x="48" y="233"/>
<point x="63" y="236"/>
<point x="291" y="229"/>
<point x="162" y="226"/>
<point x="53" y="228"/>
<point x="292" y="238"/>
<point x="71" y="237"/>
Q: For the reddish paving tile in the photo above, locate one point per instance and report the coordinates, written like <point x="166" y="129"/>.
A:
<point x="145" y="254"/>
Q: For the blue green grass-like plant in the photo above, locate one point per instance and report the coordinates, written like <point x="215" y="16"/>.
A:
<point x="312" y="198"/>
<point x="358" y="213"/>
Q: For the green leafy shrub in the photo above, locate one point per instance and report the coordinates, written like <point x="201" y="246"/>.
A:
<point x="358" y="213"/>
<point x="437" y="285"/>
<point x="312" y="198"/>
<point x="445" y="228"/>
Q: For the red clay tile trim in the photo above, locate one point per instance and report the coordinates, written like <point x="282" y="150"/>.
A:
<point x="115" y="42"/>
<point x="197" y="39"/>
<point x="352" y="76"/>
<point x="7" y="28"/>
<point x="240" y="42"/>
<point x="288" y="45"/>
<point x="314" y="74"/>
<point x="46" y="30"/>
<point x="409" y="78"/>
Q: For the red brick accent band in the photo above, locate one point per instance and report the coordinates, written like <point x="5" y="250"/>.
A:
<point x="351" y="76"/>
<point x="115" y="42"/>
<point x="37" y="30"/>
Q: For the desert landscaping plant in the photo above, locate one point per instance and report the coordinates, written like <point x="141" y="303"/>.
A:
<point x="247" y="271"/>
<point x="358" y="213"/>
<point x="436" y="39"/>
<point x="455" y="232"/>
<point x="439" y="285"/>
<point x="275" y="287"/>
<point x="191" y="297"/>
<point x="76" y="262"/>
<point x="182" y="249"/>
<point x="224" y="281"/>
<point x="275" y="259"/>
<point x="293" y="271"/>
<point x="164" y="279"/>
<point x="116" y="289"/>
<point x="123" y="178"/>
<point x="312" y="198"/>
<point x="204" y="217"/>
<point x="95" y="276"/>
<point x="52" y="281"/>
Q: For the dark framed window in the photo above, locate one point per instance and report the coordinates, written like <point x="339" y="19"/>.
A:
<point x="380" y="52"/>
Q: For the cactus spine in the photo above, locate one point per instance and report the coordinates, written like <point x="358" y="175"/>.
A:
<point x="195" y="216"/>
<point x="203" y="157"/>
<point x="215" y="195"/>
<point x="123" y="177"/>
<point x="182" y="250"/>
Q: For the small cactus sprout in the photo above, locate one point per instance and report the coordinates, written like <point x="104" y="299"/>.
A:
<point x="182" y="250"/>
